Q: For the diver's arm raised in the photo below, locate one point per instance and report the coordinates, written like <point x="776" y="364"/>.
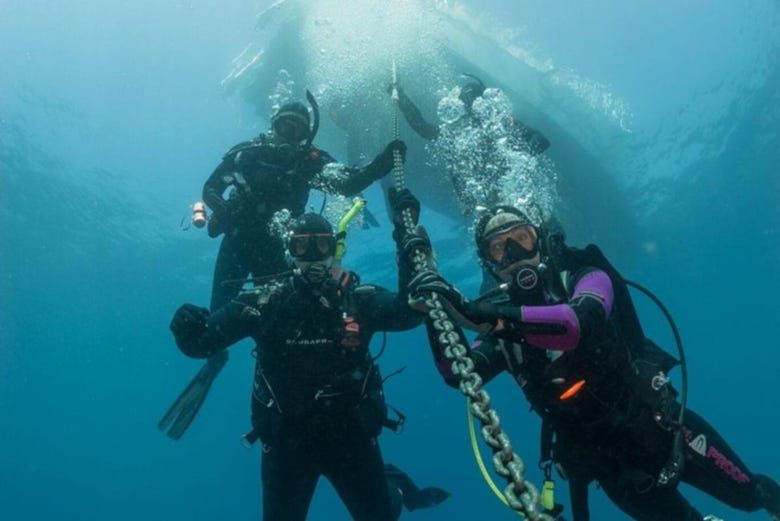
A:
<point x="530" y="137"/>
<point x="391" y="311"/>
<point x="415" y="118"/>
<point x="358" y="179"/>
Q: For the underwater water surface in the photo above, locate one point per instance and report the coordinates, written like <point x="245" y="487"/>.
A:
<point x="113" y="114"/>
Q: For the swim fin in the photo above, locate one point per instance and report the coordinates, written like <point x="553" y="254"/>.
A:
<point x="182" y="412"/>
<point x="412" y="496"/>
<point x="369" y="219"/>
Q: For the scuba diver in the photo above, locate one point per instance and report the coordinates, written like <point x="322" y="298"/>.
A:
<point x="318" y="405"/>
<point x="482" y="156"/>
<point x="272" y="172"/>
<point x="562" y="323"/>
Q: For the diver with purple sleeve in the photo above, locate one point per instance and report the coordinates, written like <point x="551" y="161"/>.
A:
<point x="562" y="323"/>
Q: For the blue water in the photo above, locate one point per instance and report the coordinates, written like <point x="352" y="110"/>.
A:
<point x="111" y="118"/>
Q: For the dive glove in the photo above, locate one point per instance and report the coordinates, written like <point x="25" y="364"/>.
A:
<point x="188" y="323"/>
<point x="409" y="243"/>
<point x="401" y="200"/>
<point x="383" y="163"/>
<point x="396" y="86"/>
<point x="475" y="315"/>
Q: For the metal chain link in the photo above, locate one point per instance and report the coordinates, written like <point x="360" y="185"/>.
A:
<point x="521" y="495"/>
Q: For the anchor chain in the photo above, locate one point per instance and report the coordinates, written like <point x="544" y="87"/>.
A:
<point x="521" y="495"/>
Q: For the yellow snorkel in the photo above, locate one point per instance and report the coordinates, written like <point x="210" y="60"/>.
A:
<point x="358" y="203"/>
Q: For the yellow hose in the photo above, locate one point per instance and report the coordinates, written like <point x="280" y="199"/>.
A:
<point x="341" y="231"/>
<point x="481" y="463"/>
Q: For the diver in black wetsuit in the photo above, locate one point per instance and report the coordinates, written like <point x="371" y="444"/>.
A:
<point x="565" y="328"/>
<point x="521" y="138"/>
<point x="272" y="172"/>
<point x="482" y="160"/>
<point x="318" y="405"/>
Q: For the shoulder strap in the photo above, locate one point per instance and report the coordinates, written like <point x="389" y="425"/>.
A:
<point x="245" y="145"/>
<point x="546" y="441"/>
<point x="348" y="281"/>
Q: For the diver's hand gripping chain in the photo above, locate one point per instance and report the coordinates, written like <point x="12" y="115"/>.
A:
<point x="522" y="496"/>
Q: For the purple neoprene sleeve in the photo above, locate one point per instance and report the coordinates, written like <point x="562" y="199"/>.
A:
<point x="595" y="284"/>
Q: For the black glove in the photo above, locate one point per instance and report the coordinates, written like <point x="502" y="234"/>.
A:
<point x="397" y="86"/>
<point x="394" y="145"/>
<point x="475" y="313"/>
<point x="217" y="224"/>
<point x="400" y="201"/>
<point x="428" y="281"/>
<point x="188" y="323"/>
<point x="225" y="217"/>
<point x="408" y="243"/>
<point x="383" y="163"/>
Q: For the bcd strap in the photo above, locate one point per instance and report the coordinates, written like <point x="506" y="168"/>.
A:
<point x="397" y="425"/>
<point x="546" y="443"/>
<point x="250" y="438"/>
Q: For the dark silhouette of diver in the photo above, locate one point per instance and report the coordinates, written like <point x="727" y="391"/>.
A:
<point x="564" y="326"/>
<point x="318" y="405"/>
<point x="520" y="137"/>
<point x="272" y="172"/>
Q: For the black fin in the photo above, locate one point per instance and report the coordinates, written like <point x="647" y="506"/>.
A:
<point x="184" y="409"/>
<point x="369" y="220"/>
<point x="414" y="497"/>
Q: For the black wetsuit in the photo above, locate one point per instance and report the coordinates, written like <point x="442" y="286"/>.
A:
<point x="523" y="136"/>
<point x="616" y="429"/>
<point x="318" y="404"/>
<point x="267" y="178"/>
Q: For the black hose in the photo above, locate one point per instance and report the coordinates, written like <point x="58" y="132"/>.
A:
<point x="315" y="108"/>
<point x="239" y="283"/>
<point x="324" y="202"/>
<point x="676" y="460"/>
<point x="381" y="349"/>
